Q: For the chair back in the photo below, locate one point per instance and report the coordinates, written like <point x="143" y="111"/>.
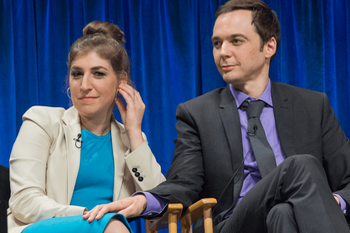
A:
<point x="4" y="197"/>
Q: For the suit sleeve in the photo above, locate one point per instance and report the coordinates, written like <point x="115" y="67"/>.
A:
<point x="185" y="176"/>
<point x="28" y="164"/>
<point x="336" y="153"/>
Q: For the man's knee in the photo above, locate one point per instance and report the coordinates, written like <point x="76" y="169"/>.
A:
<point x="305" y="169"/>
<point x="303" y="161"/>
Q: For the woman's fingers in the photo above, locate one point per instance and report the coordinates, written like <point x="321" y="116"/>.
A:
<point x="134" y="109"/>
<point x="132" y="114"/>
<point x="130" y="95"/>
<point x="121" y="108"/>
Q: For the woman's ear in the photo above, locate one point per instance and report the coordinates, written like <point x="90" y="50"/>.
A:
<point x="123" y="77"/>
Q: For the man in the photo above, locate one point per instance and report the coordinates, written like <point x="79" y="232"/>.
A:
<point x="216" y="154"/>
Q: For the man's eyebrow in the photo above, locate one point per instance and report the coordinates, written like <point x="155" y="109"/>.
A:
<point x="238" y="35"/>
<point x="214" y="38"/>
<point x="230" y="37"/>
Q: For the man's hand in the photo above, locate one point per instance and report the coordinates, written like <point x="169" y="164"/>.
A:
<point x="337" y="199"/>
<point x="129" y="207"/>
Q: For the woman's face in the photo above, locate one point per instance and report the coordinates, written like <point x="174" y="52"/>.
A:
<point x="93" y="84"/>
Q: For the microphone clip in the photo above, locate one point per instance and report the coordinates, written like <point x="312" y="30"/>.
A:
<point x="78" y="141"/>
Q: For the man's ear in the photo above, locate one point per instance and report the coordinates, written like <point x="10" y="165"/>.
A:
<point x="270" y="47"/>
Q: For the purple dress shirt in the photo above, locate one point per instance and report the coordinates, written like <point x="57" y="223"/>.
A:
<point x="251" y="170"/>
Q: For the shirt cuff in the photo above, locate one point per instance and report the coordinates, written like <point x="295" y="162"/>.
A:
<point x="342" y="204"/>
<point x="155" y="204"/>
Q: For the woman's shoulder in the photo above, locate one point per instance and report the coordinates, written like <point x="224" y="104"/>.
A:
<point x="44" y="116"/>
<point x="43" y="112"/>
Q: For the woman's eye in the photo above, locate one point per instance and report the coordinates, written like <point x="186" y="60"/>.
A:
<point x="99" y="74"/>
<point x="76" y="74"/>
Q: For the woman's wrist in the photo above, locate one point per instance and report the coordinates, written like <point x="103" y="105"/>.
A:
<point x="135" y="138"/>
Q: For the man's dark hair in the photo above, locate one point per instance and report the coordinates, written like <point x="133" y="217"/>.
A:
<point x="264" y="19"/>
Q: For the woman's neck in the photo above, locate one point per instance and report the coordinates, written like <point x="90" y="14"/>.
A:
<point x="96" y="126"/>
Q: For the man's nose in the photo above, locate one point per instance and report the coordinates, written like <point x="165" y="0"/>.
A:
<point x="226" y="49"/>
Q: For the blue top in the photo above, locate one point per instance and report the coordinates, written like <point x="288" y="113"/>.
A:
<point x="94" y="186"/>
<point x="95" y="181"/>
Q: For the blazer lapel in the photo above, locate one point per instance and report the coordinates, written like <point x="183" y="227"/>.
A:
<point x="71" y="129"/>
<point x="284" y="118"/>
<point x="120" y="144"/>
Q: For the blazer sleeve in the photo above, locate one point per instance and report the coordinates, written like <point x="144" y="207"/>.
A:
<point x="28" y="164"/>
<point x="145" y="170"/>
<point x="185" y="176"/>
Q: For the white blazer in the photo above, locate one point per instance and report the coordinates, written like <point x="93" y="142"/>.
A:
<point x="44" y="165"/>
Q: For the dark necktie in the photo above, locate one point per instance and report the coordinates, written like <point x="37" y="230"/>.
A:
<point x="261" y="147"/>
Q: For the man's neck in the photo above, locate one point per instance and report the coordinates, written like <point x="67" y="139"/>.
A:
<point x="253" y="88"/>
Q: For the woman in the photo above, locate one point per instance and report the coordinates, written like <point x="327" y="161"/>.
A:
<point x="65" y="162"/>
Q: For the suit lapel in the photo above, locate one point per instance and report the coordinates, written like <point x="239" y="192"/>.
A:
<point x="232" y="126"/>
<point x="284" y="118"/>
<point x="71" y="129"/>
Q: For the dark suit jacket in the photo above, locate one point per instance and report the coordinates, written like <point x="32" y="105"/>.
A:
<point x="209" y="144"/>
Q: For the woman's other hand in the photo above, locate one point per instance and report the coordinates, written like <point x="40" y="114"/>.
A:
<point x="132" y="114"/>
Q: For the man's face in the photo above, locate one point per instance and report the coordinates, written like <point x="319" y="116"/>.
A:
<point x="237" y="49"/>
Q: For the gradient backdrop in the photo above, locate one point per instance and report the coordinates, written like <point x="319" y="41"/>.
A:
<point x="169" y="45"/>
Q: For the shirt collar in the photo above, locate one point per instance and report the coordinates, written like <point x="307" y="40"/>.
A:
<point x="240" y="97"/>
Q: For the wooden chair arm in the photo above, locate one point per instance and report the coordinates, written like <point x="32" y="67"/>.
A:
<point x="201" y="208"/>
<point x="168" y="220"/>
<point x="196" y="211"/>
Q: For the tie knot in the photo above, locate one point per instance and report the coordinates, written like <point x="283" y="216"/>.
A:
<point x="253" y="108"/>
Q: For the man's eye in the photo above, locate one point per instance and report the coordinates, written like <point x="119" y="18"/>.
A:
<point x="216" y="44"/>
<point x="237" y="41"/>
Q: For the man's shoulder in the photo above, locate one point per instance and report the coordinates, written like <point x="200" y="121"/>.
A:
<point x="295" y="91"/>
<point x="211" y="98"/>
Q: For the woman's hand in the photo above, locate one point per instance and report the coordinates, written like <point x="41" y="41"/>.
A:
<point x="132" y="114"/>
<point x="129" y="207"/>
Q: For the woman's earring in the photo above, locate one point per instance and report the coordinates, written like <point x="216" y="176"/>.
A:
<point x="116" y="93"/>
<point x="68" y="90"/>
